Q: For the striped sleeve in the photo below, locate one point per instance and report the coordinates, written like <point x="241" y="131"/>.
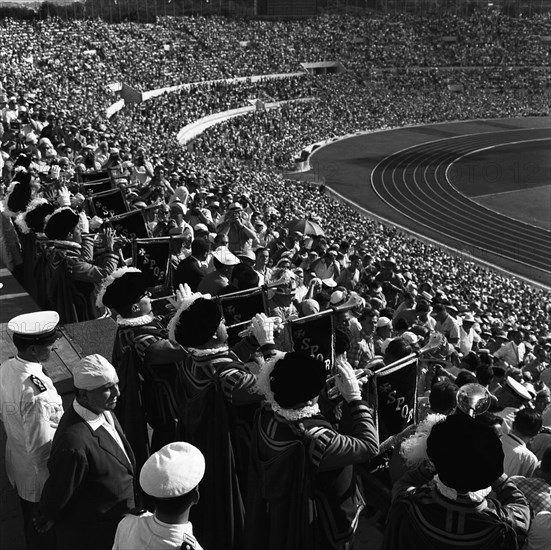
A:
<point x="514" y="503"/>
<point x="238" y="385"/>
<point x="330" y="449"/>
<point x="142" y="342"/>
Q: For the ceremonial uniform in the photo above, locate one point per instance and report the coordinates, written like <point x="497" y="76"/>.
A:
<point x="218" y="409"/>
<point x="30" y="408"/>
<point x="453" y="509"/>
<point x="71" y="273"/>
<point x="141" y="350"/>
<point x="305" y="493"/>
<point x="423" y="518"/>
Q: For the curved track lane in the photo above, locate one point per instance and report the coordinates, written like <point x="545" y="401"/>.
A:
<point x="414" y="182"/>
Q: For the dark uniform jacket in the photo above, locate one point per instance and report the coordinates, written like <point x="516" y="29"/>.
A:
<point x="71" y="273"/>
<point x="303" y="490"/>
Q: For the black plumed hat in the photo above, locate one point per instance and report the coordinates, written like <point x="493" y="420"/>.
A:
<point x="467" y="455"/>
<point x="197" y="324"/>
<point x="19" y="194"/>
<point x="34" y="217"/>
<point x="297" y="378"/>
<point x="122" y="288"/>
<point x="24" y="161"/>
<point x="59" y="224"/>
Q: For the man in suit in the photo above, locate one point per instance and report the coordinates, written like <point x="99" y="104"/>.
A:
<point x="91" y="483"/>
<point x="190" y="270"/>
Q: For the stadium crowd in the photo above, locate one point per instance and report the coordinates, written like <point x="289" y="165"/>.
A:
<point x="236" y="223"/>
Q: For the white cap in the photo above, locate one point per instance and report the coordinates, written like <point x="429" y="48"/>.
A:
<point x="337" y="297"/>
<point x="384" y="322"/>
<point x="468" y="318"/>
<point x="248" y="254"/>
<point x="411" y="338"/>
<point x="37" y="325"/>
<point x="173" y="471"/>
<point x="224" y="256"/>
<point x="94" y="371"/>
<point x="201" y="227"/>
<point x="330" y="282"/>
<point x="517" y="388"/>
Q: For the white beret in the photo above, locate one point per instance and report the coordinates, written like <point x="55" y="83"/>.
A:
<point x="93" y="372"/>
<point x="173" y="471"/>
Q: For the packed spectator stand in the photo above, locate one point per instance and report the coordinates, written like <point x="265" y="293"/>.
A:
<point x="228" y="187"/>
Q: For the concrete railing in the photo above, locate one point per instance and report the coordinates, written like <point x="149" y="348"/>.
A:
<point x="117" y="86"/>
<point x="191" y="131"/>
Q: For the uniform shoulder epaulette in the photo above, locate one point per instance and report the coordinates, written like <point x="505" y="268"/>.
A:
<point x="38" y="383"/>
<point x="137" y="511"/>
<point x="190" y="543"/>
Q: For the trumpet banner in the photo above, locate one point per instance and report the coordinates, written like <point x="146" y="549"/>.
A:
<point x="314" y="336"/>
<point x="152" y="257"/>
<point x="238" y="308"/>
<point x="396" y="400"/>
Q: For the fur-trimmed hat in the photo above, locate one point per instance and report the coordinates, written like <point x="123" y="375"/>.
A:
<point x="195" y="325"/>
<point x="23" y="161"/>
<point x="122" y="288"/>
<point x="18" y="195"/>
<point x="297" y="378"/>
<point x="467" y="454"/>
<point x="60" y="223"/>
<point x="34" y="217"/>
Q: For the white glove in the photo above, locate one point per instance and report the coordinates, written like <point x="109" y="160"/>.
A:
<point x="95" y="223"/>
<point x="347" y="383"/>
<point x="77" y="200"/>
<point x="64" y="197"/>
<point x="263" y="329"/>
<point x="83" y="223"/>
<point x="55" y="171"/>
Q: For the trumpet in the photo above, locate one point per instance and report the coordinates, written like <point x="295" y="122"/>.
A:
<point x="436" y="341"/>
<point x="473" y="399"/>
<point x="274" y="284"/>
<point x="278" y="325"/>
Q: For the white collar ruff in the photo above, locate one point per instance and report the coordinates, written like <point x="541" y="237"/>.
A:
<point x="69" y="244"/>
<point x="196" y="352"/>
<point x="452" y="494"/>
<point x="263" y="386"/>
<point x="295" y="414"/>
<point x="135" y="321"/>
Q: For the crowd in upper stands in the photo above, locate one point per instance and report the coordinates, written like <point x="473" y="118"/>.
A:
<point x="248" y="153"/>
<point x="227" y="188"/>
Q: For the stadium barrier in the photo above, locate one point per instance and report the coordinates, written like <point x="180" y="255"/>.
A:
<point x="191" y="131"/>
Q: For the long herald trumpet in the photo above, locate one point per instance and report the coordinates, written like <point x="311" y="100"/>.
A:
<point x="436" y="341"/>
<point x="351" y="303"/>
<point x="274" y="284"/>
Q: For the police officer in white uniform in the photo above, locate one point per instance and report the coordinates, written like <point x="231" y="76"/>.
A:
<point x="171" y="476"/>
<point x="30" y="409"/>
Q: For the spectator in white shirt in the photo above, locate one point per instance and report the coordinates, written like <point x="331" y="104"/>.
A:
<point x="518" y="459"/>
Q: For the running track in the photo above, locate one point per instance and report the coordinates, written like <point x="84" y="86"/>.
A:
<point x="414" y="182"/>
